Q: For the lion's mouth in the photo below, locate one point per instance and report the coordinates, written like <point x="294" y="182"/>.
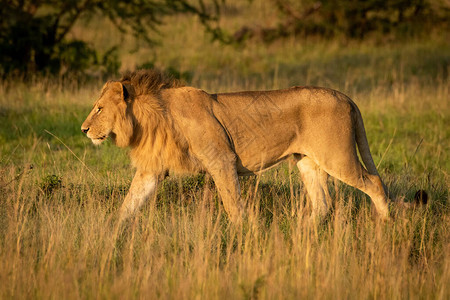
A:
<point x="99" y="140"/>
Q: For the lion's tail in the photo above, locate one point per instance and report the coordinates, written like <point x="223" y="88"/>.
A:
<point x="421" y="196"/>
<point x="363" y="144"/>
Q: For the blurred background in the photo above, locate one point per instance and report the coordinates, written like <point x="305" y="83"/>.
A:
<point x="248" y="41"/>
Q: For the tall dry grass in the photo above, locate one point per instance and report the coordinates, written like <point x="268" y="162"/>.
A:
<point x="64" y="245"/>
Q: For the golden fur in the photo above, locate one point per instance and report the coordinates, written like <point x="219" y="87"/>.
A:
<point x="183" y="129"/>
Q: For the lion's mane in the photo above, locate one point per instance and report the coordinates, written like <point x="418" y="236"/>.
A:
<point x="156" y="144"/>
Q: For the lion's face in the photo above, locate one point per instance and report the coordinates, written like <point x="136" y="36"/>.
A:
<point x="107" y="112"/>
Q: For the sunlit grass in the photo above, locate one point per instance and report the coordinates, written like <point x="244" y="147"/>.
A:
<point x="181" y="245"/>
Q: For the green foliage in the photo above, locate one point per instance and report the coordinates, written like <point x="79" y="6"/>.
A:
<point x="50" y="183"/>
<point x="185" y="76"/>
<point x="33" y="34"/>
<point x="350" y="19"/>
<point x="75" y="55"/>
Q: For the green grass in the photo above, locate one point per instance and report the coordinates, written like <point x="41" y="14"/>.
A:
<point x="57" y="219"/>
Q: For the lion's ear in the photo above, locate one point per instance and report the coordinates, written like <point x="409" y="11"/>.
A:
<point x="128" y="92"/>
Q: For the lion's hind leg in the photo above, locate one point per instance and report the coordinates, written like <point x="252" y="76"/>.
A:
<point x="348" y="169"/>
<point x="315" y="180"/>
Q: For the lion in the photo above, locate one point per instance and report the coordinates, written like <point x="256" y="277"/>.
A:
<point x="182" y="129"/>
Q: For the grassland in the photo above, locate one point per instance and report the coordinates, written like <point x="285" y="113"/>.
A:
<point x="59" y="194"/>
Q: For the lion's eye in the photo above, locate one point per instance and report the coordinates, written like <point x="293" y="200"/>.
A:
<point x="99" y="110"/>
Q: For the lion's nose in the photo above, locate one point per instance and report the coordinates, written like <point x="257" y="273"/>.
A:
<point x="85" y="130"/>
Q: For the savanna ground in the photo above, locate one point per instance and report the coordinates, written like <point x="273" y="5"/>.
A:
<point x="59" y="194"/>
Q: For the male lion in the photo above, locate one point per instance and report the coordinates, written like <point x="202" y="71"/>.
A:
<point x="183" y="129"/>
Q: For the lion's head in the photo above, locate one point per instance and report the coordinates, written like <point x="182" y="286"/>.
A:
<point x="128" y="108"/>
<point x="109" y="116"/>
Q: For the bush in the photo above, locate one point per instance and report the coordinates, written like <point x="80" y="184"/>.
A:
<point x="50" y="183"/>
<point x="351" y="19"/>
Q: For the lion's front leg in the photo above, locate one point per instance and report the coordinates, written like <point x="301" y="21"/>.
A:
<point x="142" y="187"/>
<point x="223" y="171"/>
<point x="221" y="165"/>
<point x="227" y="184"/>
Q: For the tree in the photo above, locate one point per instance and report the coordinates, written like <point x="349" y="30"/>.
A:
<point x="33" y="32"/>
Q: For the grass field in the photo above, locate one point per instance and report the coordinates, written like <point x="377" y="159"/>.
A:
<point x="59" y="194"/>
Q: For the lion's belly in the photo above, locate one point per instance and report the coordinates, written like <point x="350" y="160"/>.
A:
<point x="256" y="168"/>
<point x="260" y="148"/>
